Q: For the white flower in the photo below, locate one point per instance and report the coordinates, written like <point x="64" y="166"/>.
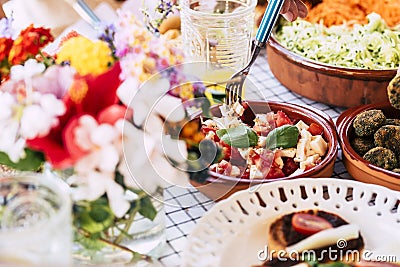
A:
<point x="26" y="71"/>
<point x="94" y="184"/>
<point x="151" y="97"/>
<point x="146" y="165"/>
<point x="10" y="142"/>
<point x="95" y="172"/>
<point x="38" y="119"/>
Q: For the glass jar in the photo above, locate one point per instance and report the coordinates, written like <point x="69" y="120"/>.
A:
<point x="35" y="220"/>
<point x="135" y="239"/>
<point x="218" y="31"/>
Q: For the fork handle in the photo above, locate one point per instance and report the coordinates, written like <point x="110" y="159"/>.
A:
<point x="268" y="21"/>
<point x="85" y="12"/>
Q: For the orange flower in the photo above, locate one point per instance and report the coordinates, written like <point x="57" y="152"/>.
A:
<point x="5" y="47"/>
<point x="29" y="43"/>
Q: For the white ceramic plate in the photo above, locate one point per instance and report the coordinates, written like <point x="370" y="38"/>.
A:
<point x="235" y="230"/>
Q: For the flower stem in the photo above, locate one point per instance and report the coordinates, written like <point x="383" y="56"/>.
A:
<point x="130" y="220"/>
<point x="135" y="254"/>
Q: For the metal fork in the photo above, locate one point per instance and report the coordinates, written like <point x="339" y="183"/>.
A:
<point x="86" y="13"/>
<point x="234" y="87"/>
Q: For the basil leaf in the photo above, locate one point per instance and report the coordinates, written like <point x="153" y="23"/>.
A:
<point x="285" y="136"/>
<point x="241" y="136"/>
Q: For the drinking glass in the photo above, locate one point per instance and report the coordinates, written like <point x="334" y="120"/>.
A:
<point x="35" y="221"/>
<point x="218" y="31"/>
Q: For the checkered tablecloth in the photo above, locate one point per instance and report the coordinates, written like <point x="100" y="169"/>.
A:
<point x="184" y="206"/>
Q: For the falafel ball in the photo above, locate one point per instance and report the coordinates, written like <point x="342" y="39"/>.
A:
<point x="382" y="157"/>
<point x="362" y="145"/>
<point x="393" y="91"/>
<point x="392" y="122"/>
<point x="388" y="136"/>
<point x="367" y="122"/>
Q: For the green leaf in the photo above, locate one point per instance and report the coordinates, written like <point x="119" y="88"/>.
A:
<point x="285" y="136"/>
<point x="147" y="208"/>
<point x="241" y="136"/>
<point x="94" y="217"/>
<point x="91" y="243"/>
<point x="32" y="162"/>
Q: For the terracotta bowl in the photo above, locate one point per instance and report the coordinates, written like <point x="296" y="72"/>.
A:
<point x="359" y="168"/>
<point x="219" y="186"/>
<point x="324" y="83"/>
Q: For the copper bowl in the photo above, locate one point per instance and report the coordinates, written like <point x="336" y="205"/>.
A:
<point x="357" y="167"/>
<point x="338" y="86"/>
<point x="219" y="186"/>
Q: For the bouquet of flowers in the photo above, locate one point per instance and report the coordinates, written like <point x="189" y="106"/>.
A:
<point x="94" y="113"/>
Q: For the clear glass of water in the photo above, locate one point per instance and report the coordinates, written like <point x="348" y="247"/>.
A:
<point x="218" y="31"/>
<point x="35" y="221"/>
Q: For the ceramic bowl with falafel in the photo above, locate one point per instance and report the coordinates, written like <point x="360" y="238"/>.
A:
<point x="370" y="140"/>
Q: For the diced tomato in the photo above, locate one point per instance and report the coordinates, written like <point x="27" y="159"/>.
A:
<point x="309" y="224"/>
<point x="254" y="157"/>
<point x="282" y="119"/>
<point x="205" y="130"/>
<point x="289" y="166"/>
<point x="315" y="129"/>
<point x="226" y="150"/>
<point x="267" y="162"/>
<point x="224" y="167"/>
<point x="275" y="172"/>
<point x="246" y="173"/>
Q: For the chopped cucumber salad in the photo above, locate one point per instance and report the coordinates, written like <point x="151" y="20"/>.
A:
<point x="370" y="46"/>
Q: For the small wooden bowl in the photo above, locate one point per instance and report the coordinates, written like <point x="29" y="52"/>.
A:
<point x="338" y="86"/>
<point x="359" y="168"/>
<point x="219" y="186"/>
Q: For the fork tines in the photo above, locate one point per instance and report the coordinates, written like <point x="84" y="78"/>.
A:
<point x="234" y="88"/>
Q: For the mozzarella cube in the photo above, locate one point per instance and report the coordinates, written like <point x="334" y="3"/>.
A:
<point x="301" y="125"/>
<point x="303" y="146"/>
<point x="261" y="119"/>
<point x="262" y="141"/>
<point x="255" y="173"/>
<point x="288" y="152"/>
<point x="210" y="123"/>
<point x="210" y="135"/>
<point x="309" y="161"/>
<point x="244" y="152"/>
<point x="318" y="145"/>
<point x="279" y="162"/>
<point x="235" y="172"/>
<point x="238" y="108"/>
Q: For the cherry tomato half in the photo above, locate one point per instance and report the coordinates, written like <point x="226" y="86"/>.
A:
<point x="309" y="224"/>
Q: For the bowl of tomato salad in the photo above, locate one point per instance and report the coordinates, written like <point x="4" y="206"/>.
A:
<point x="262" y="141"/>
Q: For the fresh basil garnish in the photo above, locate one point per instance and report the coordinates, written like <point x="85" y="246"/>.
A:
<point x="285" y="136"/>
<point x="240" y="137"/>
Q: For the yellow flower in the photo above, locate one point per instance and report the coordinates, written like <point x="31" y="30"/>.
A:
<point x="85" y="55"/>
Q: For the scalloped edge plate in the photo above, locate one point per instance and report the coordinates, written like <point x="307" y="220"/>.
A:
<point x="234" y="231"/>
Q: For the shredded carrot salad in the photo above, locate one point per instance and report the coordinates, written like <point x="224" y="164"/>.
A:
<point x="336" y="12"/>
